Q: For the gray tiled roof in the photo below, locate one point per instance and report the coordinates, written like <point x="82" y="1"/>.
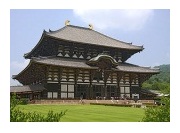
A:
<point x="147" y="91"/>
<point x="26" y="88"/>
<point x="63" y="62"/>
<point x="88" y="36"/>
<point x="77" y="63"/>
<point x="126" y="67"/>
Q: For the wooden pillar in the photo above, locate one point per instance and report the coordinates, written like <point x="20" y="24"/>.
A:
<point x="75" y="83"/>
<point x="119" y="77"/>
<point x="105" y="90"/>
<point x="130" y="82"/>
<point x="44" y="92"/>
<point x="116" y="88"/>
<point x="32" y="95"/>
<point x="46" y="74"/>
<point x="106" y="75"/>
<point x="59" y="81"/>
<point x="92" y="72"/>
<point x="118" y="85"/>
<point x="90" y="91"/>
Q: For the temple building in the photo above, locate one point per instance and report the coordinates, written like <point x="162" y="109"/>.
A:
<point x="75" y="62"/>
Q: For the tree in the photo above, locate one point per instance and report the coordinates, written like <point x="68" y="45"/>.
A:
<point x="159" y="113"/>
<point x="146" y="85"/>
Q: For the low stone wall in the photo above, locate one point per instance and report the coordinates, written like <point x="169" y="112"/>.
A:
<point x="145" y="102"/>
<point x="56" y="101"/>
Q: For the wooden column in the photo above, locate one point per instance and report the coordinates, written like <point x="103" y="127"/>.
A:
<point x="32" y="95"/>
<point x="119" y="77"/>
<point x="46" y="69"/>
<point x="130" y="82"/>
<point x="59" y="81"/>
<point x="92" y="72"/>
<point x="46" y="73"/>
<point x="88" y="86"/>
<point x="118" y="86"/>
<point x="75" y="83"/>
<point x="105" y="90"/>
<point x="116" y="89"/>
<point x="106" y="75"/>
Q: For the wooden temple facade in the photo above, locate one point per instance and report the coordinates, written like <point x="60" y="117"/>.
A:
<point x="77" y="62"/>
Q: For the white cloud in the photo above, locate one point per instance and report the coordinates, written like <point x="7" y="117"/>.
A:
<point x="121" y="19"/>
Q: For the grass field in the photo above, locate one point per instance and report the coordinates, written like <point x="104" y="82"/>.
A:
<point x="90" y="113"/>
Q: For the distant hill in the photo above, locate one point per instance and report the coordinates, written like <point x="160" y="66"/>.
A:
<point x="160" y="81"/>
<point x="164" y="75"/>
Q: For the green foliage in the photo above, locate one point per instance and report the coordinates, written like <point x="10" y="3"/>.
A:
<point x="13" y="102"/>
<point x="158" y="114"/>
<point x="17" y="115"/>
<point x="23" y="101"/>
<point x="146" y="85"/>
<point x="160" y="81"/>
<point x="163" y="76"/>
<point x="161" y="86"/>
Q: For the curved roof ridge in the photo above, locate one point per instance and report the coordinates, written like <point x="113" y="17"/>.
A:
<point x="79" y="27"/>
<point x="54" y="31"/>
<point x="61" y="29"/>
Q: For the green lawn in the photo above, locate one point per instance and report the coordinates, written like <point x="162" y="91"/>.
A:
<point x="90" y="113"/>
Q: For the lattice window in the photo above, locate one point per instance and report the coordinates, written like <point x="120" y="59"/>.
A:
<point x="122" y="89"/>
<point x="67" y="91"/>
<point x="53" y="95"/>
<point x="63" y="95"/>
<point x="70" y="88"/>
<point x="127" y="89"/>
<point x="70" y="95"/>
<point x="49" y="95"/>
<point x="64" y="88"/>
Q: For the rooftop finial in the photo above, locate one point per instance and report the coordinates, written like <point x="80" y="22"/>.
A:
<point x="91" y="26"/>
<point x="67" y="22"/>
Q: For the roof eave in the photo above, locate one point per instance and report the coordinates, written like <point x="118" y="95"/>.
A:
<point x="16" y="76"/>
<point x="27" y="55"/>
<point x="65" y="66"/>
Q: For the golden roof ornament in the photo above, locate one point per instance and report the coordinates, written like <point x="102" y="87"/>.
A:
<point x="91" y="26"/>
<point x="67" y="22"/>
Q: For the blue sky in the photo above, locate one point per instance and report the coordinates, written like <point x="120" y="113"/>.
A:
<point x="150" y="28"/>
